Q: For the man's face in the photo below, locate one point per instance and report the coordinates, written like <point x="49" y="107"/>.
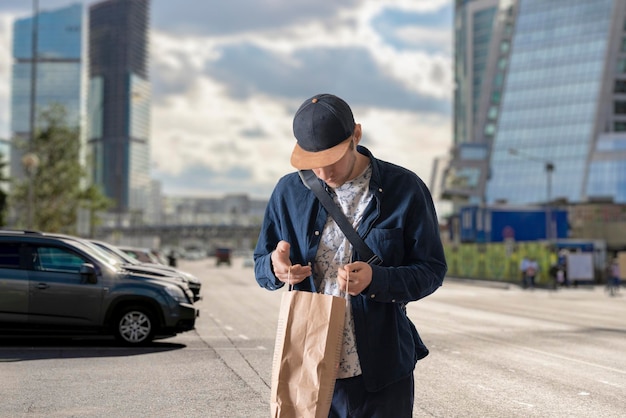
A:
<point x="337" y="174"/>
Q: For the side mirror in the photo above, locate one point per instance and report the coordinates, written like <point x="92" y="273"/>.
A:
<point x="88" y="272"/>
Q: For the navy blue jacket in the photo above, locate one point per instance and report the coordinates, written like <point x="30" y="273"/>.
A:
<point x="400" y="226"/>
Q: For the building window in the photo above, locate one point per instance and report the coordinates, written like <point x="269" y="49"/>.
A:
<point x="620" y="86"/>
<point x="619" y="107"/>
<point x="493" y="112"/>
<point x="621" y="66"/>
<point x="473" y="152"/>
<point x="490" y="129"/>
<point x="499" y="80"/>
<point x="623" y="45"/>
<point x="508" y="30"/>
<point x="495" y="97"/>
<point x="619" y="127"/>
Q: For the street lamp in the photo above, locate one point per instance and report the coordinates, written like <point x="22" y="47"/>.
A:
<point x="549" y="167"/>
<point x="31" y="163"/>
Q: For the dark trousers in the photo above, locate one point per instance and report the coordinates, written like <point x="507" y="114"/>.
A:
<point x="351" y="400"/>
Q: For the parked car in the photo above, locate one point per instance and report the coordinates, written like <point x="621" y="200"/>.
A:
<point x="222" y="255"/>
<point x="132" y="264"/>
<point x="58" y="284"/>
<point x="194" y="253"/>
<point x="145" y="255"/>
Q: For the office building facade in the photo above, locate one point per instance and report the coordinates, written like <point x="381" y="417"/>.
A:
<point x="540" y="102"/>
<point x="53" y="71"/>
<point x="119" y="103"/>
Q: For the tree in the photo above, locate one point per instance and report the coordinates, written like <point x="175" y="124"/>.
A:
<point x="94" y="201"/>
<point x="58" y="183"/>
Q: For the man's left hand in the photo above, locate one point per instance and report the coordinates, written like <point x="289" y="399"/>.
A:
<point x="356" y="276"/>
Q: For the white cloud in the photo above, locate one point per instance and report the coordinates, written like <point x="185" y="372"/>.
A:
<point x="207" y="128"/>
<point x="217" y="111"/>
<point x="409" y="139"/>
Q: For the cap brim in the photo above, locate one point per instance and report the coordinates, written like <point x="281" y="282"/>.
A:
<point x="307" y="160"/>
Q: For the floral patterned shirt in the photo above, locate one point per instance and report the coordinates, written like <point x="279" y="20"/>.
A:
<point x="335" y="251"/>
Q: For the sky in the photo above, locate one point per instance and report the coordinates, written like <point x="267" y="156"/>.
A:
<point x="227" y="77"/>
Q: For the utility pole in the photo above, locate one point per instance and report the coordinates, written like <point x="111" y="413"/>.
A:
<point x="30" y="160"/>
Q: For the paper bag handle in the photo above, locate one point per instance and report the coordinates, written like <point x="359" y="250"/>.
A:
<point x="347" y="295"/>
<point x="290" y="286"/>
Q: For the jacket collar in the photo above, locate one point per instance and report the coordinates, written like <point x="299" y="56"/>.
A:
<point x="376" y="180"/>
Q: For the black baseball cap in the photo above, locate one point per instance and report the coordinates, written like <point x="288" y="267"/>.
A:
<point x="323" y="127"/>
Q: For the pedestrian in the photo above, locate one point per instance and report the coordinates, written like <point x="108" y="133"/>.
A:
<point x="532" y="268"/>
<point x="523" y="265"/>
<point x="172" y="258"/>
<point x="614" y="281"/>
<point x="392" y="210"/>
<point x="556" y="274"/>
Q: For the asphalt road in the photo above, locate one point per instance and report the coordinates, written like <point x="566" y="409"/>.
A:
<point x="495" y="352"/>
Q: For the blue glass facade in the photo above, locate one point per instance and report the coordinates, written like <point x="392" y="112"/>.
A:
<point x="58" y="82"/>
<point x="60" y="70"/>
<point x="551" y="99"/>
<point x="607" y="173"/>
<point x="547" y="103"/>
<point x="139" y="146"/>
<point x="475" y="25"/>
<point x="473" y="28"/>
<point x="60" y="35"/>
<point x="119" y="122"/>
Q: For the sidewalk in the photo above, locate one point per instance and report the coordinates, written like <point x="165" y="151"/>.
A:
<point x="509" y="285"/>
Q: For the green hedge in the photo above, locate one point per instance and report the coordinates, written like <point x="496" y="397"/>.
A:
<point x="497" y="261"/>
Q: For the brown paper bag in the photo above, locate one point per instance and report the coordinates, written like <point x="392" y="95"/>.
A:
<point x="306" y="354"/>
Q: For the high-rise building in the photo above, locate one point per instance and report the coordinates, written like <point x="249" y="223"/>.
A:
<point x="540" y="102"/>
<point x="47" y="71"/>
<point x="119" y="103"/>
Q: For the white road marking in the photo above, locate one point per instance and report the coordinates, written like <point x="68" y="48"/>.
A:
<point x="617" y="385"/>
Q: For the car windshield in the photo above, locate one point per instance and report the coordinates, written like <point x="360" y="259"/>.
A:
<point x="97" y="253"/>
<point x="113" y="251"/>
<point x="141" y="255"/>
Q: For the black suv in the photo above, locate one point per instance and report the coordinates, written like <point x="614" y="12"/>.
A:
<point x="53" y="283"/>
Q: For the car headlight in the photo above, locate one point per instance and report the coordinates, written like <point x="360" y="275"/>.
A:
<point x="177" y="294"/>
<point x="191" y="278"/>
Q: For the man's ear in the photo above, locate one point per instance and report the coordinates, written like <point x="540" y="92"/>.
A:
<point x="357" y="133"/>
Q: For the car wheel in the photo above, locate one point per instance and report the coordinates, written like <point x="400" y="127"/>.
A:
<point x="135" y="325"/>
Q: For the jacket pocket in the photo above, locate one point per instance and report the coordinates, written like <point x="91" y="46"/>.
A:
<point x="388" y="244"/>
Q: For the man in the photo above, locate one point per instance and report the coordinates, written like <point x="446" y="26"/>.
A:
<point x="523" y="266"/>
<point x="532" y="268"/>
<point x="393" y="212"/>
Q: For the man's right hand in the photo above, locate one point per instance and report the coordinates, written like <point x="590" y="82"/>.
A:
<point x="283" y="269"/>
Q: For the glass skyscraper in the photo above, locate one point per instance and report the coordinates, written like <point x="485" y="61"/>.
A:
<point x="59" y="67"/>
<point x="541" y="116"/>
<point x="119" y="102"/>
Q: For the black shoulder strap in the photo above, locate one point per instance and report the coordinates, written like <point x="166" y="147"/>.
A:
<point x="311" y="181"/>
